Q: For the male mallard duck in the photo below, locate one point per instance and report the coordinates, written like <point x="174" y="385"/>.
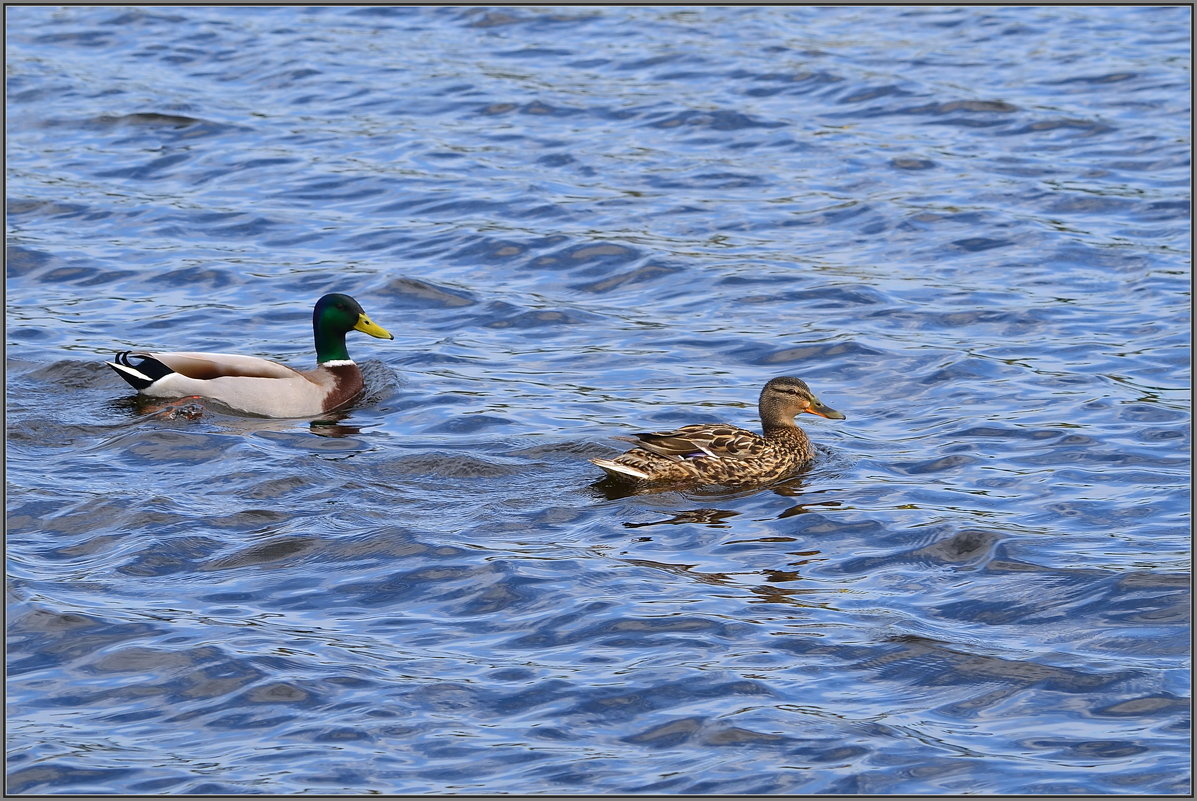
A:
<point x="723" y="454"/>
<point x="259" y="386"/>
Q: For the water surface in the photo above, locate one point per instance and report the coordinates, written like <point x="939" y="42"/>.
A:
<point x="966" y="228"/>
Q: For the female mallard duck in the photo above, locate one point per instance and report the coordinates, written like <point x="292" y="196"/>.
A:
<point x="723" y="454"/>
<point x="259" y="386"/>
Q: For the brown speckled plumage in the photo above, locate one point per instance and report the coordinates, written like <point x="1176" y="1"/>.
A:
<point x="723" y="454"/>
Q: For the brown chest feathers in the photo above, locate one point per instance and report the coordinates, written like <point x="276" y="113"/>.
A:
<point x="345" y="385"/>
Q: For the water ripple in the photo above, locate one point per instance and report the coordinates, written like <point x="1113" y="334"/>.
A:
<point x="967" y="228"/>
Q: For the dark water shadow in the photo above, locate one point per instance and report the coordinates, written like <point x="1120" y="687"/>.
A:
<point x="203" y="409"/>
<point x="611" y="488"/>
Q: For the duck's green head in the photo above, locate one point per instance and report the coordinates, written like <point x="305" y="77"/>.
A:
<point x="335" y="316"/>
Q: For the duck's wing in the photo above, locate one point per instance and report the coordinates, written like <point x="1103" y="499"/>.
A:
<point x="697" y="441"/>
<point x="206" y="366"/>
<point x="154" y="373"/>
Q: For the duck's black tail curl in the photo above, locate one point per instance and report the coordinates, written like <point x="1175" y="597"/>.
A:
<point x="140" y="375"/>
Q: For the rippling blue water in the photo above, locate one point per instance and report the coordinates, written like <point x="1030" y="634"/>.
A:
<point x="967" y="228"/>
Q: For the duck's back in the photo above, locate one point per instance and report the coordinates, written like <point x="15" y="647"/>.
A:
<point x="712" y="454"/>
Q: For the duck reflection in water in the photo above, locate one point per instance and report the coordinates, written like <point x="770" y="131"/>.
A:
<point x="194" y="408"/>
